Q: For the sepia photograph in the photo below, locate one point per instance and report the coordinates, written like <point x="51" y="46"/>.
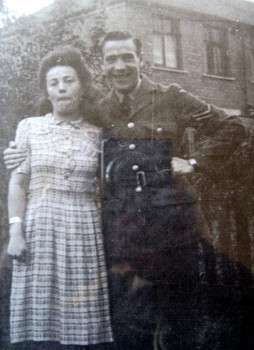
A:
<point x="127" y="175"/>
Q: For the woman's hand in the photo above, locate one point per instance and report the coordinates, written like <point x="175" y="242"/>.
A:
<point x="13" y="156"/>
<point x="17" y="247"/>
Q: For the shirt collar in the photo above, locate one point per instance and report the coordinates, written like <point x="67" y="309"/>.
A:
<point x="75" y="123"/>
<point x="131" y="94"/>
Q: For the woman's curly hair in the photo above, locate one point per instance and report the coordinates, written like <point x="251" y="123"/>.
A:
<point x="70" y="56"/>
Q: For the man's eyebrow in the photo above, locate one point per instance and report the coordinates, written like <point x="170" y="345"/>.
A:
<point x="111" y="56"/>
<point x="127" y="54"/>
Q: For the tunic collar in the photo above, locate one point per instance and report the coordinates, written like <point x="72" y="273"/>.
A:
<point x="132" y="95"/>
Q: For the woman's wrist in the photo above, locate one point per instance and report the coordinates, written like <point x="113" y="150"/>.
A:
<point x="16" y="231"/>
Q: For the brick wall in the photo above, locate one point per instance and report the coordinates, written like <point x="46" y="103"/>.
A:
<point x="226" y="93"/>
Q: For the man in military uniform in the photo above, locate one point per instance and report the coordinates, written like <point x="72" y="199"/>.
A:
<point x="135" y="108"/>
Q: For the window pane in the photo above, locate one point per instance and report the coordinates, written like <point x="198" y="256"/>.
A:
<point x="217" y="35"/>
<point x="157" y="25"/>
<point x="252" y="60"/>
<point x="170" y="51"/>
<point x="167" y="26"/>
<point x="207" y="34"/>
<point x="209" y="55"/>
<point x="218" y="61"/>
<point x="157" y="49"/>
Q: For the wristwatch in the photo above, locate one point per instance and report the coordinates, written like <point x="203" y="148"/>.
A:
<point x="193" y="163"/>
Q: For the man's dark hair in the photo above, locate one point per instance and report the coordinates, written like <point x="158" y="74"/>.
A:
<point x="118" y="35"/>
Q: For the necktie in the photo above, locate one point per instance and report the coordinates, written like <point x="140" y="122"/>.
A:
<point x="125" y="107"/>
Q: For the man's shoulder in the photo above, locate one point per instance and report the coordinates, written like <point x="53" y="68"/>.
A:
<point x="172" y="88"/>
<point x="147" y="86"/>
<point x="150" y="85"/>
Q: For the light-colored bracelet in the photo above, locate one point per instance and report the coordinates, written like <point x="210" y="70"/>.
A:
<point x="15" y="219"/>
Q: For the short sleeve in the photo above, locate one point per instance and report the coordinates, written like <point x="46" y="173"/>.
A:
<point x="22" y="141"/>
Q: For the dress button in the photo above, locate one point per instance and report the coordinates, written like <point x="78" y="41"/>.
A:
<point x="135" y="167"/>
<point x="132" y="146"/>
<point x="130" y="125"/>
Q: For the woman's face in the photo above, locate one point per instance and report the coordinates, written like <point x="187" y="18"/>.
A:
<point x="64" y="90"/>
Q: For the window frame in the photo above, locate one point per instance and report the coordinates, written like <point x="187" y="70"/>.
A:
<point x="212" y="68"/>
<point x="252" y="63"/>
<point x="163" y="33"/>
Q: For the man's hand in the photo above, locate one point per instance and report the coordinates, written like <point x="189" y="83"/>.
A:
<point x="17" y="247"/>
<point x="181" y="166"/>
<point x="13" y="156"/>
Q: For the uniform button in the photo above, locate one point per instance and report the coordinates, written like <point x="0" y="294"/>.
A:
<point x="130" y="125"/>
<point x="135" y="167"/>
<point x="159" y="129"/>
<point x="132" y="146"/>
<point x="138" y="189"/>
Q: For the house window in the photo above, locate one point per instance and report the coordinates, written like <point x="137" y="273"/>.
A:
<point x="166" y="43"/>
<point x="216" y="51"/>
<point x="252" y="64"/>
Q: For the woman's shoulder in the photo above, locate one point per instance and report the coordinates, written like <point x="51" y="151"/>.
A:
<point x="92" y="128"/>
<point x="34" y="121"/>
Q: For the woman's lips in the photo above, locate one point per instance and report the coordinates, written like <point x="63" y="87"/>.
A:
<point x="64" y="99"/>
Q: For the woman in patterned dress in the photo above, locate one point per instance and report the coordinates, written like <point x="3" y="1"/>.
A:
<point x="59" y="291"/>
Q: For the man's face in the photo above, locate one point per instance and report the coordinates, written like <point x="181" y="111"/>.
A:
<point x="121" y="64"/>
